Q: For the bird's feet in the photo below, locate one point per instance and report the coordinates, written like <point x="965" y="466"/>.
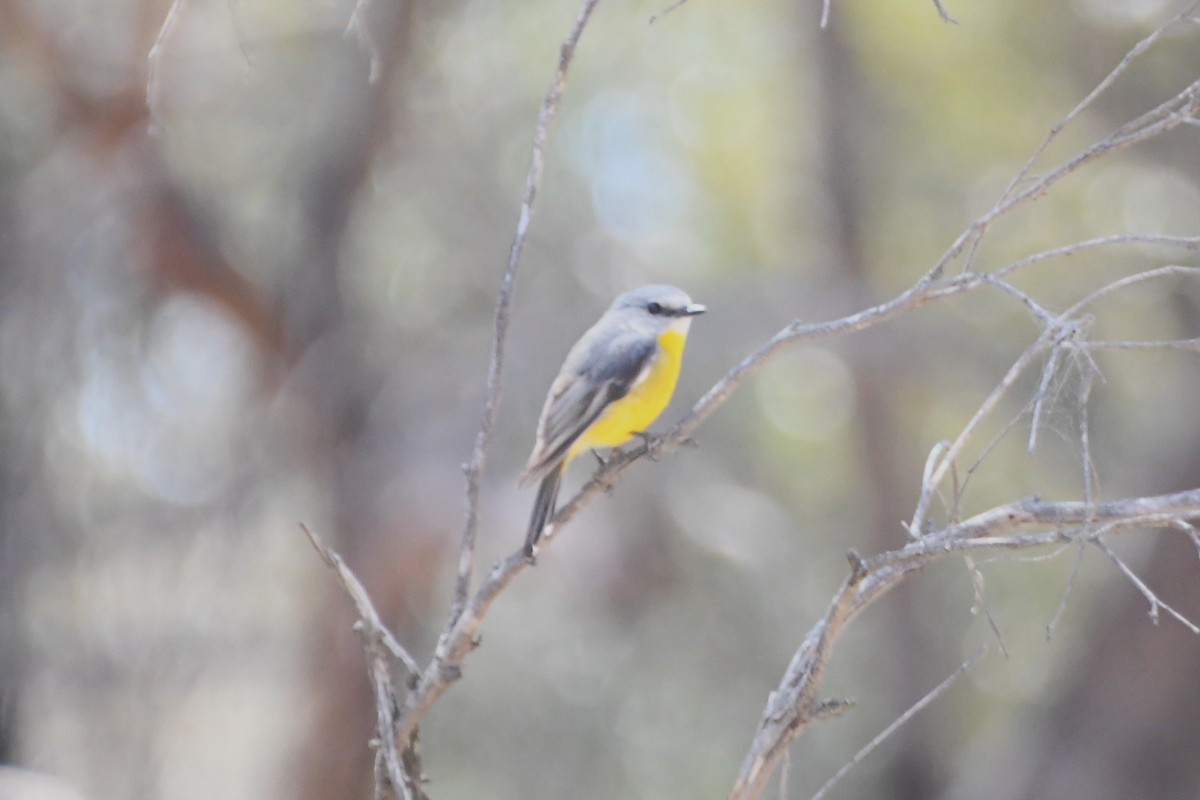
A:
<point x="650" y="441"/>
<point x="653" y="441"/>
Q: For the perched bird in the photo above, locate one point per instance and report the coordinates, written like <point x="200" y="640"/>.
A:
<point x="616" y="380"/>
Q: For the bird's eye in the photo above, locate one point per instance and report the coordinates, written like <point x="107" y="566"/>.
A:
<point x="655" y="308"/>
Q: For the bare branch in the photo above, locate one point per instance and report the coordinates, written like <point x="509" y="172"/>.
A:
<point x="1043" y="389"/>
<point x="1192" y="345"/>
<point x="667" y="10"/>
<point x="533" y="180"/>
<point x="952" y="452"/>
<point x="1151" y="597"/>
<point x="1190" y="530"/>
<point x="153" y="66"/>
<point x="788" y="710"/>
<point x="379" y="642"/>
<point x="935" y="453"/>
<point x="1176" y="111"/>
<point x="977" y="585"/>
<point x="362" y="602"/>
<point x="1124" y="283"/>
<point x="1062" y="602"/>
<point x="897" y="723"/>
<point x="357" y="27"/>
<point x="1185" y="242"/>
<point x="945" y="15"/>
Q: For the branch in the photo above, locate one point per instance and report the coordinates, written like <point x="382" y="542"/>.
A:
<point x="1151" y="597"/>
<point x="466" y="615"/>
<point x="789" y="709"/>
<point x="937" y="4"/>
<point x="403" y="772"/>
<point x="533" y="181"/>
<point x="358" y="27"/>
<point x="896" y="724"/>
<point x="1192" y="345"/>
<point x="654" y="18"/>
<point x="969" y="239"/>
<point x="153" y="59"/>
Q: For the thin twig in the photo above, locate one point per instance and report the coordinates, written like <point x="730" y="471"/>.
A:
<point x="1185" y="242"/>
<point x="153" y="65"/>
<point x="1190" y="530"/>
<point x="945" y="15"/>
<point x="787" y="712"/>
<point x="1043" y="389"/>
<point x="1062" y="601"/>
<point x="1164" y="117"/>
<point x="981" y="604"/>
<point x="358" y="27"/>
<point x="897" y="723"/>
<point x="1040" y="314"/>
<point x="995" y="441"/>
<point x="1100" y="88"/>
<point x="376" y="638"/>
<point x="985" y="409"/>
<point x="1170" y="270"/>
<point x="935" y="453"/>
<point x="1085" y="437"/>
<point x="667" y="10"/>
<point x="533" y="180"/>
<point x="1192" y="345"/>
<point x="362" y="601"/>
<point x="1151" y="597"/>
<point x="1028" y="558"/>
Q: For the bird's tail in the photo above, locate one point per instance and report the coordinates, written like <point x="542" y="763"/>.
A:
<point x="543" y="508"/>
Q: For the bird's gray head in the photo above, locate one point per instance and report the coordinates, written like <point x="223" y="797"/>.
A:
<point x="662" y="306"/>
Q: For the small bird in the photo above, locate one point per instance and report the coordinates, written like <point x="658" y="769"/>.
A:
<point x="616" y="380"/>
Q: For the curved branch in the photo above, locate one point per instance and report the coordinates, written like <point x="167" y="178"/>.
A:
<point x="793" y="705"/>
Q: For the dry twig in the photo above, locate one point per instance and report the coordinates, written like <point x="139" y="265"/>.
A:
<point x="533" y="181"/>
<point x="897" y="723"/>
<point x="402" y="769"/>
<point x="153" y="65"/>
<point x="788" y="710"/>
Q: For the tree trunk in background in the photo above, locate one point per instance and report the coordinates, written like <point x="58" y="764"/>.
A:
<point x="884" y="464"/>
<point x="339" y="385"/>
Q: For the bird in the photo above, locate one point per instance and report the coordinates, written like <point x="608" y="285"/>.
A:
<point x="614" y="383"/>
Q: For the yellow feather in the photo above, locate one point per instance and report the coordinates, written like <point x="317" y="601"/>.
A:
<point x="635" y="412"/>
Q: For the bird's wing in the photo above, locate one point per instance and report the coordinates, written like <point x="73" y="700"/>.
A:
<point x="591" y="379"/>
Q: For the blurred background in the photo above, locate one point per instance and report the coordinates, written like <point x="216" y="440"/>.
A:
<point x="270" y="301"/>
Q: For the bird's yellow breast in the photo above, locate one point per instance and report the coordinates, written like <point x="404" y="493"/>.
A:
<point x="634" y="412"/>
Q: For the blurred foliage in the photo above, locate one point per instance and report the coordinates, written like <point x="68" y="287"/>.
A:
<point x="271" y="301"/>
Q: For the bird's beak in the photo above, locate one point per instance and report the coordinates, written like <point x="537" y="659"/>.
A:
<point x="694" y="309"/>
